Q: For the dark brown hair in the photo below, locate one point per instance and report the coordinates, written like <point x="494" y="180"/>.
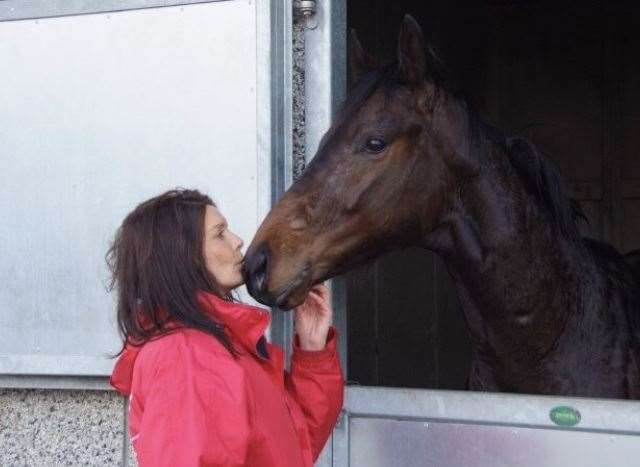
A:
<point x="157" y="268"/>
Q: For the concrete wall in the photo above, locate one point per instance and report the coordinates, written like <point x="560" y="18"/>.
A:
<point x="61" y="427"/>
<point x="71" y="427"/>
<point x="298" y="100"/>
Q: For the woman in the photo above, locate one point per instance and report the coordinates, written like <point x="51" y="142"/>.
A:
<point x="204" y="386"/>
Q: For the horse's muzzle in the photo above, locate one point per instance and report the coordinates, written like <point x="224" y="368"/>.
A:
<point x="255" y="272"/>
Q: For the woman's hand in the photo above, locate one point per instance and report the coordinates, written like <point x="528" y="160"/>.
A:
<point x="313" y="318"/>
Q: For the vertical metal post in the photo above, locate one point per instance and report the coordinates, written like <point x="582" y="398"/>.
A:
<point x="325" y="89"/>
<point x="340" y="442"/>
<point x="325" y="70"/>
<point x="281" y="135"/>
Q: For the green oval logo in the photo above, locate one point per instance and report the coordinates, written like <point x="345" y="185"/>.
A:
<point x="564" y="416"/>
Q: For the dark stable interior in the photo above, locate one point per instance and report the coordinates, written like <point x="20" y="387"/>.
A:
<point x="564" y="74"/>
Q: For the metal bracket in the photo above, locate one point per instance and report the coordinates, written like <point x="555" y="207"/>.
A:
<point x="306" y="10"/>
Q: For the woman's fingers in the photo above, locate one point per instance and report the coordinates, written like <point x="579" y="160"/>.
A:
<point x="317" y="301"/>
<point x="313" y="318"/>
<point x="321" y="290"/>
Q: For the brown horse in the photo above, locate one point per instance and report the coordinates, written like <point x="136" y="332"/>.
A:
<point x="406" y="163"/>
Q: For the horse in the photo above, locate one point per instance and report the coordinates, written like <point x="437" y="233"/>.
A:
<point x="408" y="162"/>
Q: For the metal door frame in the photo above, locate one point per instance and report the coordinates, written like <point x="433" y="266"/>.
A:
<point x="325" y="89"/>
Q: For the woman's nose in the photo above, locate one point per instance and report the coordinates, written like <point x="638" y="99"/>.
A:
<point x="239" y="243"/>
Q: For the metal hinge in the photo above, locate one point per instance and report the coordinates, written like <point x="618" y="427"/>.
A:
<point x="306" y="10"/>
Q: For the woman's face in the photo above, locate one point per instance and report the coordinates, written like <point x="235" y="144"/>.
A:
<point x="222" y="250"/>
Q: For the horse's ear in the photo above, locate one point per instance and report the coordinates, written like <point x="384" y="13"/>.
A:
<point x="359" y="61"/>
<point x="411" y="51"/>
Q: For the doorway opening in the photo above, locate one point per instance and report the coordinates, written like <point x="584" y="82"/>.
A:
<point x="563" y="75"/>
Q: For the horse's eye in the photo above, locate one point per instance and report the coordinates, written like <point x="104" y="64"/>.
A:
<point x="375" y="145"/>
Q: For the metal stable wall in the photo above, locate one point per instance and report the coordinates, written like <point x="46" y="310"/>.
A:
<point x="101" y="111"/>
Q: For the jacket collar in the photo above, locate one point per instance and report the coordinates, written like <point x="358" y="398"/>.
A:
<point x="246" y="324"/>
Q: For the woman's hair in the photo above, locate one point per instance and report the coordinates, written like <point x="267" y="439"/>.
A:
<point x="157" y="268"/>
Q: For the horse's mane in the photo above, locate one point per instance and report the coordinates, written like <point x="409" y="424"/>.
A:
<point x="633" y="259"/>
<point x="624" y="270"/>
<point x="544" y="182"/>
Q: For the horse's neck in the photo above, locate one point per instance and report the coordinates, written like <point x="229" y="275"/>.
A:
<point x="514" y="272"/>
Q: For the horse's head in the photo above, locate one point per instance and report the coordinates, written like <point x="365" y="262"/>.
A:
<point x="379" y="180"/>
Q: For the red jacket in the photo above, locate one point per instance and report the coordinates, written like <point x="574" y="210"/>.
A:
<point x="193" y="404"/>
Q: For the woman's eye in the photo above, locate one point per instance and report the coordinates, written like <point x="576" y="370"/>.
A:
<point x="375" y="145"/>
<point x="220" y="234"/>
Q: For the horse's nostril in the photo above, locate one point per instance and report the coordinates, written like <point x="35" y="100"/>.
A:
<point x="260" y="273"/>
<point x="256" y="271"/>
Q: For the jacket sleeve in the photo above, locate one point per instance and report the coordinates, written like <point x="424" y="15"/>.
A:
<point x="194" y="412"/>
<point x="316" y="383"/>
